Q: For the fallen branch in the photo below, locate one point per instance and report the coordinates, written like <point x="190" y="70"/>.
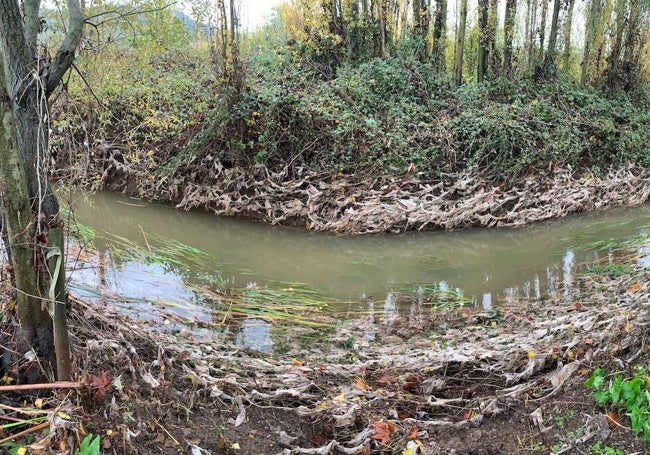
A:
<point x="49" y="385"/>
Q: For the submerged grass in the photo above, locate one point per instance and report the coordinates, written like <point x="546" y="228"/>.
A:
<point x="614" y="243"/>
<point x="297" y="304"/>
<point x="434" y="296"/>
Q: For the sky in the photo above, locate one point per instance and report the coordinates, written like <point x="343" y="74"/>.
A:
<point x="254" y="12"/>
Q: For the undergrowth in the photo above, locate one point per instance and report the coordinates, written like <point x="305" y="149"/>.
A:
<point x="382" y="116"/>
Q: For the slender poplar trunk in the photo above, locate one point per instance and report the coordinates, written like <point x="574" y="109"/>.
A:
<point x="483" y="40"/>
<point x="549" y="60"/>
<point x="508" y="35"/>
<point x="460" y="43"/>
<point x="568" y="24"/>
<point x="440" y="37"/>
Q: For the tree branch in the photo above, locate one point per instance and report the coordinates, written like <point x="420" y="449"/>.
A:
<point x="66" y="52"/>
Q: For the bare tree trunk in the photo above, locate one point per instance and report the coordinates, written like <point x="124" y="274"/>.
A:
<point x="530" y="36"/>
<point x="594" y="9"/>
<point x="494" y="66"/>
<point x="440" y="37"/>
<point x="508" y="35"/>
<point x="549" y="60"/>
<point x="542" y="29"/>
<point x="568" y="24"/>
<point x="460" y="43"/>
<point x="483" y="40"/>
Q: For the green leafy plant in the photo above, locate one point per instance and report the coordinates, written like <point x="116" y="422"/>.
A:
<point x="89" y="445"/>
<point x="630" y="394"/>
<point x="599" y="450"/>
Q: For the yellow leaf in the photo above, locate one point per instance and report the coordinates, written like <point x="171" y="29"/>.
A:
<point x="340" y="398"/>
<point x="408" y="451"/>
<point x="21" y="451"/>
<point x="297" y="362"/>
<point x="322" y="405"/>
<point x="63" y="415"/>
<point x="109" y="432"/>
<point x="7" y="379"/>
<point x="38" y="403"/>
<point x="531" y="355"/>
<point x="235" y="446"/>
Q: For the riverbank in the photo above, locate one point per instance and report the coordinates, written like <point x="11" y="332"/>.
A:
<point x="383" y="146"/>
<point x="356" y="205"/>
<point x="510" y="381"/>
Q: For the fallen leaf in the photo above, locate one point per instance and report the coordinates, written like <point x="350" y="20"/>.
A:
<point x="101" y="384"/>
<point x="636" y="287"/>
<point x="320" y="439"/>
<point x="612" y="419"/>
<point x="149" y="379"/>
<point x="470" y="414"/>
<point x="360" y="383"/>
<point x="413" y="448"/>
<point x="297" y="362"/>
<point x="383" y="430"/>
<point x="413" y="433"/>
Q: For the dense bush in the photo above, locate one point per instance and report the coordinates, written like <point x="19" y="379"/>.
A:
<point x="380" y="116"/>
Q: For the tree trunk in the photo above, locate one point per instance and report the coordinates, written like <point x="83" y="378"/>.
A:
<point x="36" y="329"/>
<point x="492" y="25"/>
<point x="508" y="35"/>
<point x="531" y="26"/>
<point x="549" y="60"/>
<point x="542" y="29"/>
<point x="460" y="43"/>
<point x="30" y="208"/>
<point x="594" y="9"/>
<point x="440" y="37"/>
<point x="568" y="24"/>
<point x="483" y="40"/>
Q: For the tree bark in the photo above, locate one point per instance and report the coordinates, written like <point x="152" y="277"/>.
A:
<point x="483" y="40"/>
<point x="508" y="36"/>
<point x="30" y="208"/>
<point x="549" y="60"/>
<point x="440" y="37"/>
<point x="568" y="24"/>
<point x="36" y="330"/>
<point x="460" y="43"/>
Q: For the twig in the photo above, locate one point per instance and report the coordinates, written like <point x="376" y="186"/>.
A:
<point x="50" y="385"/>
<point x="40" y="426"/>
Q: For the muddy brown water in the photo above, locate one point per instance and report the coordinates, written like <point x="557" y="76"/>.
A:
<point x="492" y="266"/>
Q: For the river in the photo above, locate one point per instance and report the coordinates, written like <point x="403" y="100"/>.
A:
<point x="490" y="266"/>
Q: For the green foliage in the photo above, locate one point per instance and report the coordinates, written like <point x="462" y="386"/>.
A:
<point x="630" y="394"/>
<point x="598" y="449"/>
<point x="89" y="446"/>
<point x="611" y="269"/>
<point x="164" y="113"/>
